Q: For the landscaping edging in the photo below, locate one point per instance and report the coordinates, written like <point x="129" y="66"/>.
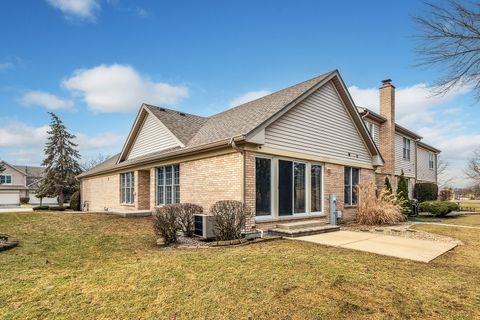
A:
<point x="7" y="242"/>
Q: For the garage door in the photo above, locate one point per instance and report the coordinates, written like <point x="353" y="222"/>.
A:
<point x="8" y="197"/>
<point x="45" y="201"/>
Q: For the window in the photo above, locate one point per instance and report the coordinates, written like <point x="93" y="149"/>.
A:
<point x="127" y="183"/>
<point x="371" y="128"/>
<point x="352" y="176"/>
<point x="291" y="187"/>
<point x="431" y="161"/>
<point x="5" y="179"/>
<point x="263" y="187"/>
<point x="406" y="149"/>
<point x="168" y="184"/>
<point x="316" y="188"/>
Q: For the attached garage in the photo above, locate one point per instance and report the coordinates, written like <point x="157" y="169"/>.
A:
<point x="9" y="197"/>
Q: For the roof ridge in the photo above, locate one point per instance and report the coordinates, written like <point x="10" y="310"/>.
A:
<point x="176" y="111"/>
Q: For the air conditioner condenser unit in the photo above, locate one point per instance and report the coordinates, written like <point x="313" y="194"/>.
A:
<point x="204" y="225"/>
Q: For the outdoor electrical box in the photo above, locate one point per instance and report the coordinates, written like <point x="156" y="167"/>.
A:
<point x="333" y="209"/>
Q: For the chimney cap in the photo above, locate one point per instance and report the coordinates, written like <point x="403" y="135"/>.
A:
<point x="387" y="81"/>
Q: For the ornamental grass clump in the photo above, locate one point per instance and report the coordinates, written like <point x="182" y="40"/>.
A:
<point x="373" y="210"/>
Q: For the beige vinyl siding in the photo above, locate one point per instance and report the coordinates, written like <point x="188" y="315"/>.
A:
<point x="18" y="178"/>
<point x="319" y="125"/>
<point x="152" y="137"/>
<point x="424" y="173"/>
<point x="376" y="131"/>
<point x="408" y="167"/>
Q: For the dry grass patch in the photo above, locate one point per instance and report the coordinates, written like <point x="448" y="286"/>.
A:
<point x="73" y="266"/>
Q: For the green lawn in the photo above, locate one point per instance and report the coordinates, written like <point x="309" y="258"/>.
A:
<point x="73" y="266"/>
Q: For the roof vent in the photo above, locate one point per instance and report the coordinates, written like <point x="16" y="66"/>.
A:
<point x="162" y="109"/>
<point x="182" y="114"/>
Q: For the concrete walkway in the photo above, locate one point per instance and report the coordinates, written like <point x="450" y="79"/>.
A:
<point x="399" y="247"/>
<point x="14" y="209"/>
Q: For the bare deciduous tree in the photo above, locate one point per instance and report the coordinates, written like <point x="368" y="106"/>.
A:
<point x="443" y="179"/>
<point x="473" y="166"/>
<point x="94" y="161"/>
<point x="449" y="39"/>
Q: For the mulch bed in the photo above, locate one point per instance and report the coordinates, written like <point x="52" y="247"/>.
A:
<point x="7" y="242"/>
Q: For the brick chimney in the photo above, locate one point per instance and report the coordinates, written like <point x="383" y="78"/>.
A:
<point x="387" y="129"/>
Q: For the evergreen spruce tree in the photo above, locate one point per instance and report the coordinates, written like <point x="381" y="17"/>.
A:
<point x="2" y="167"/>
<point x="388" y="185"/>
<point x="402" y="194"/>
<point x="61" y="162"/>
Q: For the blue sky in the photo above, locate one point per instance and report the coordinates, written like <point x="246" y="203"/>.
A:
<point x="94" y="62"/>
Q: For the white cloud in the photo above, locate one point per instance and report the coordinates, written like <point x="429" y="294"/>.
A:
<point x="18" y="135"/>
<point x="249" y="96"/>
<point x="84" y="9"/>
<point x="101" y="141"/>
<point x="413" y="104"/>
<point x="120" y="88"/>
<point x="46" y="100"/>
<point x="6" y="66"/>
<point x="10" y="63"/>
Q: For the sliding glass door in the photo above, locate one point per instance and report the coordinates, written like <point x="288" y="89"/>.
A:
<point x="291" y="188"/>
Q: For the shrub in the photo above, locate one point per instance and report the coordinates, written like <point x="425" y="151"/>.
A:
<point x="230" y="219"/>
<point x="75" y="201"/>
<point x="438" y="208"/>
<point x="41" y="208"/>
<point x="185" y="217"/>
<point x="56" y="208"/>
<point x="427" y="191"/>
<point x="24" y="200"/>
<point x="388" y="185"/>
<point x="402" y="194"/>
<point x="445" y="195"/>
<point x="165" y="223"/>
<point x="382" y="210"/>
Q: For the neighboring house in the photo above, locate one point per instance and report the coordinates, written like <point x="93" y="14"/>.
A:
<point x="21" y="182"/>
<point x="282" y="155"/>
<point x="401" y="148"/>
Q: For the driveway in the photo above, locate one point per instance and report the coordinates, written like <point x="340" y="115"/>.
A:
<point x="399" y="247"/>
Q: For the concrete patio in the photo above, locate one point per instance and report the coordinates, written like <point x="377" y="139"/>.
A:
<point x="399" y="247"/>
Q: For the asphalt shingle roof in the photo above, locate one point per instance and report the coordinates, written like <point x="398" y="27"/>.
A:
<point x="194" y="131"/>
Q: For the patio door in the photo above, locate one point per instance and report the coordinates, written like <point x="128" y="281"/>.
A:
<point x="291" y="188"/>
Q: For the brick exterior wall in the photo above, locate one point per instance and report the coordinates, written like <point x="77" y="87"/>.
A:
<point x="209" y="180"/>
<point x="250" y="197"/>
<point x="142" y="190"/>
<point x="102" y="192"/>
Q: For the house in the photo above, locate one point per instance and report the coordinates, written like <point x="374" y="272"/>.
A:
<point x="18" y="182"/>
<point x="282" y="155"/>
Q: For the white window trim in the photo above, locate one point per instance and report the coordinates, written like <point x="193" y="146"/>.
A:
<point x="307" y="189"/>
<point x="432" y="161"/>
<point x="132" y="196"/>
<point x="7" y="175"/>
<point x="406" y="152"/>
<point x="272" y="190"/>
<point x="351" y="187"/>
<point x="317" y="213"/>
<point x="158" y="205"/>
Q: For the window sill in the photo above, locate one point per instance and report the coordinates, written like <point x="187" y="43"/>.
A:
<point x="350" y="207"/>
<point x="128" y="204"/>
<point x="293" y="217"/>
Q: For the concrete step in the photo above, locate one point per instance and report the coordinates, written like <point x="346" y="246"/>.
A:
<point x="291" y="233"/>
<point x="301" y="225"/>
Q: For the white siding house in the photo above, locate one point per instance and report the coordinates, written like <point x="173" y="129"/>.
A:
<point x="404" y="160"/>
<point x="426" y="165"/>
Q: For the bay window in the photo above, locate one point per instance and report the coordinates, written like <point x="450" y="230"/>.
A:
<point x="168" y="184"/>
<point x="127" y="187"/>
<point x="352" y="176"/>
